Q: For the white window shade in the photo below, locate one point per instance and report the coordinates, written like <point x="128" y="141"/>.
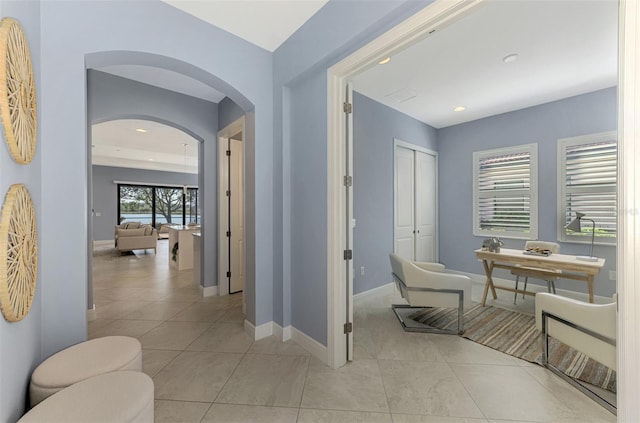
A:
<point x="505" y="192"/>
<point x="587" y="175"/>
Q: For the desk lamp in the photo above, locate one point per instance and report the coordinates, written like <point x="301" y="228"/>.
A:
<point x="575" y="226"/>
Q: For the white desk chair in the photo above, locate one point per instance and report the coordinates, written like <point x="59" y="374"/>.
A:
<point x="429" y="285"/>
<point x="550" y="276"/>
<point x="588" y="328"/>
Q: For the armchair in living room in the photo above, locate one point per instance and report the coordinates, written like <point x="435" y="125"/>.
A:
<point x="585" y="327"/>
<point x="135" y="236"/>
<point x="429" y="285"/>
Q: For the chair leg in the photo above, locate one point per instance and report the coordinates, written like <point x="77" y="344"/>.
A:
<point x="515" y="294"/>
<point x="526" y="279"/>
<point x="551" y="286"/>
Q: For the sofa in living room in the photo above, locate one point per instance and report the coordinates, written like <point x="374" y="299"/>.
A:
<point x="131" y="236"/>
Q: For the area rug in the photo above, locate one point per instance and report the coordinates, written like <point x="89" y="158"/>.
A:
<point x="515" y="334"/>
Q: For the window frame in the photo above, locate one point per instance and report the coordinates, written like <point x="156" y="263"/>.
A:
<point x="563" y="143"/>
<point x="154" y="221"/>
<point x="532" y="150"/>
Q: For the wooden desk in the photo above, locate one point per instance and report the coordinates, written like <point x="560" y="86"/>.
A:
<point x="569" y="265"/>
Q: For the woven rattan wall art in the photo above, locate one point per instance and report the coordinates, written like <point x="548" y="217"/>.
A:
<point x="18" y="254"/>
<point x="17" y="92"/>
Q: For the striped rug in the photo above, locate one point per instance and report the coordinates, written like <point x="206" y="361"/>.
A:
<point x="515" y="334"/>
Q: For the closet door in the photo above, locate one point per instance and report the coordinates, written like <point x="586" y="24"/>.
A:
<point x="404" y="244"/>
<point x="425" y="201"/>
<point x="415" y="204"/>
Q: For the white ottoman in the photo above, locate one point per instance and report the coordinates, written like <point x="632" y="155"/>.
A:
<point x="123" y="397"/>
<point x="82" y="361"/>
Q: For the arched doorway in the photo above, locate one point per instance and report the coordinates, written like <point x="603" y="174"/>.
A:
<point x="152" y="103"/>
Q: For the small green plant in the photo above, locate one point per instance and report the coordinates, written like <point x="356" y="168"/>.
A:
<point x="174" y="251"/>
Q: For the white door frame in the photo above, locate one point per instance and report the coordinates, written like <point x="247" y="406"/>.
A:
<point x="404" y="144"/>
<point x="437" y="14"/>
<point x="223" y="247"/>
<point x="417" y="27"/>
<point x="628" y="267"/>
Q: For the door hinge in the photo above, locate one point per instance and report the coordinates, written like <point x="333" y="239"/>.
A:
<point x="348" y="327"/>
<point x="348" y="254"/>
<point x="228" y="233"/>
<point x="348" y="181"/>
<point x="228" y="193"/>
<point x="347" y="107"/>
<point x="228" y="152"/>
<point x="228" y="274"/>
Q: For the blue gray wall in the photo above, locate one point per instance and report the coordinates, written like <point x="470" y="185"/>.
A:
<point x="309" y="222"/>
<point x="544" y="125"/>
<point x="100" y="33"/>
<point x="21" y="342"/>
<point x="265" y="86"/>
<point x="228" y="112"/>
<point x="58" y="315"/>
<point x="112" y="97"/>
<point x="374" y="128"/>
<point x="105" y="192"/>
<point x="300" y="69"/>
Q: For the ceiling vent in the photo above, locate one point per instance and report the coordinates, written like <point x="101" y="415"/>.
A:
<point x="401" y="95"/>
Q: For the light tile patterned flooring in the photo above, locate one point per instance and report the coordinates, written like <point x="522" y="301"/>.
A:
<point x="205" y="368"/>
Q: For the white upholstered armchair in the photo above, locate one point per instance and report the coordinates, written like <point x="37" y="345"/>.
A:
<point x="429" y="285"/>
<point x="585" y="327"/>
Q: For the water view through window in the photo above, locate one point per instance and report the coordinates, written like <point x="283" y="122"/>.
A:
<point x="157" y="205"/>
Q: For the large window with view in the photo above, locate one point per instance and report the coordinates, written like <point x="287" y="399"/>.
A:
<point x="587" y="175"/>
<point x="158" y="205"/>
<point x="505" y="192"/>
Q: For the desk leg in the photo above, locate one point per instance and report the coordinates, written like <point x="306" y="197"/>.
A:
<point x="488" y="270"/>
<point x="590" y="285"/>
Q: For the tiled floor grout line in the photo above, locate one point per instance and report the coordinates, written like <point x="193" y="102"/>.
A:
<point x="374" y="312"/>
<point x="486" y="418"/>
<point x="304" y="386"/>
<point x="384" y="388"/>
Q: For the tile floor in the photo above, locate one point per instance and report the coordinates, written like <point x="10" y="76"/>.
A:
<point x="206" y="369"/>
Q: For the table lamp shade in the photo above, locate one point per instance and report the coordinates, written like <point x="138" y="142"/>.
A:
<point x="575" y="226"/>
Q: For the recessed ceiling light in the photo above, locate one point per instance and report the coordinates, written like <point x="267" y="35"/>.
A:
<point x="458" y="109"/>
<point x="510" y="58"/>
<point x="150" y="160"/>
<point x="384" y="61"/>
<point x="141" y="130"/>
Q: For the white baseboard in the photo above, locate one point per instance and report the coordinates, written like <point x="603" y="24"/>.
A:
<point x="209" y="291"/>
<point x="281" y="333"/>
<point x="271" y="328"/>
<point x="258" y="332"/>
<point x="314" y="347"/>
<point x="103" y="241"/>
<point x="378" y="290"/>
<point x="91" y="314"/>
<point x="249" y="329"/>
<point x="287" y="333"/>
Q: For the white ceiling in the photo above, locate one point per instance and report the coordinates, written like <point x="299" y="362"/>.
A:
<point x="265" y="23"/>
<point x="117" y="143"/>
<point x="564" y="48"/>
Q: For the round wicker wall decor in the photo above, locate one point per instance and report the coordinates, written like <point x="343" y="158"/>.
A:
<point x="17" y="92"/>
<point x="18" y="254"/>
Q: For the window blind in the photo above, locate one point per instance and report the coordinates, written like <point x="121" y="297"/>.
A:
<point x="503" y="187"/>
<point x="590" y="179"/>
